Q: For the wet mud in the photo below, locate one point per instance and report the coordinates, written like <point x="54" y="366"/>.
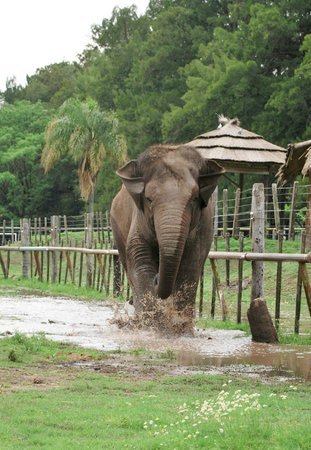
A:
<point x="90" y="324"/>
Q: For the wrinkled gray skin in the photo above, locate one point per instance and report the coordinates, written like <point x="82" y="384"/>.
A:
<point x="162" y="221"/>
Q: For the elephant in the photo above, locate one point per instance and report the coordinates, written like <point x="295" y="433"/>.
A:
<point x="162" y="222"/>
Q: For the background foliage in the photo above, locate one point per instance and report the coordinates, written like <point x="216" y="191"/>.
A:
<point x="166" y="75"/>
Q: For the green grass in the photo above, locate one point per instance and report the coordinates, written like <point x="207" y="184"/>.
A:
<point x="20" y="350"/>
<point x="16" y="285"/>
<point x="95" y="410"/>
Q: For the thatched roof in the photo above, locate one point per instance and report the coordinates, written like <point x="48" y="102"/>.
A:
<point x="298" y="161"/>
<point x="239" y="150"/>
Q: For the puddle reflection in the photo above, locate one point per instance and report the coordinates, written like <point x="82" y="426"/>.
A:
<point x="272" y="360"/>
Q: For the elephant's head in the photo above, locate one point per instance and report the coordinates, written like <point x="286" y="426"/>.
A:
<point x="170" y="187"/>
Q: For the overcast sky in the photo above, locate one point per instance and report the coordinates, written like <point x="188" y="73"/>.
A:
<point x="36" y="33"/>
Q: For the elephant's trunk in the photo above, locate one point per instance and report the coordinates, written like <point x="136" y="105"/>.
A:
<point x="172" y="231"/>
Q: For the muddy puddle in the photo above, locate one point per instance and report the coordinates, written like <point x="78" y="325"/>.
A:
<point x="209" y="351"/>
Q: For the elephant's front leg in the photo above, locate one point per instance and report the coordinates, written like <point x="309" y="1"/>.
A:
<point x="188" y="277"/>
<point x="142" y="267"/>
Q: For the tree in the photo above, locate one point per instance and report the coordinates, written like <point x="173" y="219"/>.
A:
<point x="155" y="80"/>
<point x="21" y="140"/>
<point x="52" y="84"/>
<point x="287" y="112"/>
<point x="107" y="62"/>
<point x="88" y="136"/>
<point x="13" y="91"/>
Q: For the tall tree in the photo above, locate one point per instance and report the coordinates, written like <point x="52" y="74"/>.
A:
<point x="155" y="80"/>
<point x="52" y="84"/>
<point x="88" y="136"/>
<point x="21" y="140"/>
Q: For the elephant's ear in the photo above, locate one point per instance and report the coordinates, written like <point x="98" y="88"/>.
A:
<point x="132" y="180"/>
<point x="208" y="179"/>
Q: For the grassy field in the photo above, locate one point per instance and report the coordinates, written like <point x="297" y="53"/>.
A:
<point x="46" y="402"/>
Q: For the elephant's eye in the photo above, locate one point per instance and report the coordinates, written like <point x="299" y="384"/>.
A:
<point x="148" y="200"/>
<point x="195" y="199"/>
<point x="196" y="202"/>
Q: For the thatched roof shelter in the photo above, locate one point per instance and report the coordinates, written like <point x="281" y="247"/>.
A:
<point x="239" y="150"/>
<point x="297" y="162"/>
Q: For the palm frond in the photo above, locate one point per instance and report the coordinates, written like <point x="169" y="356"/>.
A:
<point x="88" y="135"/>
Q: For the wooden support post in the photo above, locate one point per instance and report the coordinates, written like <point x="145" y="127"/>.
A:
<point x="224" y="308"/>
<point x="292" y="216"/>
<point x="306" y="284"/>
<point x="108" y="227"/>
<point x="25" y="241"/>
<point x="299" y="287"/>
<point x="12" y="231"/>
<point x="54" y="243"/>
<point x="227" y="246"/>
<point x="40" y="230"/>
<point x="60" y="264"/>
<point x="215" y="208"/>
<point x="102" y="234"/>
<point x="213" y="299"/>
<point x="278" y="289"/>
<point x="35" y="224"/>
<point x="258" y="235"/>
<point x="225" y="212"/>
<point x="38" y="265"/>
<point x="3" y="266"/>
<point x="66" y="229"/>
<point x="308" y="215"/>
<point x="80" y="270"/>
<point x="3" y="242"/>
<point x="235" y="227"/>
<point x="240" y="280"/>
<point x="88" y="244"/>
<point x="276" y="207"/>
<point x="201" y="292"/>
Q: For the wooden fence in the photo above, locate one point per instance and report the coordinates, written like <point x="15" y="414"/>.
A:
<point x="50" y="251"/>
<point x="285" y="209"/>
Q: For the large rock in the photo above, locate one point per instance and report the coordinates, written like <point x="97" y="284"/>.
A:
<point x="260" y="322"/>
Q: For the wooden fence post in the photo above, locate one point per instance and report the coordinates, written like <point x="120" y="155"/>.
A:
<point x="225" y="212"/>
<point x="276" y="207"/>
<point x="235" y="226"/>
<point x="25" y="241"/>
<point x="240" y="280"/>
<point x="12" y="232"/>
<point x="292" y="217"/>
<point x="258" y="235"/>
<point x="215" y="208"/>
<point x="299" y="286"/>
<point x="54" y="243"/>
<point x="88" y="244"/>
<point x="3" y="232"/>
<point x="222" y="301"/>
<point x="278" y="289"/>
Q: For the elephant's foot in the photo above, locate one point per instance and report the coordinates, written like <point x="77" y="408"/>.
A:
<point x="170" y="317"/>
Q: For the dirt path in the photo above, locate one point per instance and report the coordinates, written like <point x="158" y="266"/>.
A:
<point x="89" y="324"/>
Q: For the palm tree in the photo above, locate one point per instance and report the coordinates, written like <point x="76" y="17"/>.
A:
<point x="89" y="136"/>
